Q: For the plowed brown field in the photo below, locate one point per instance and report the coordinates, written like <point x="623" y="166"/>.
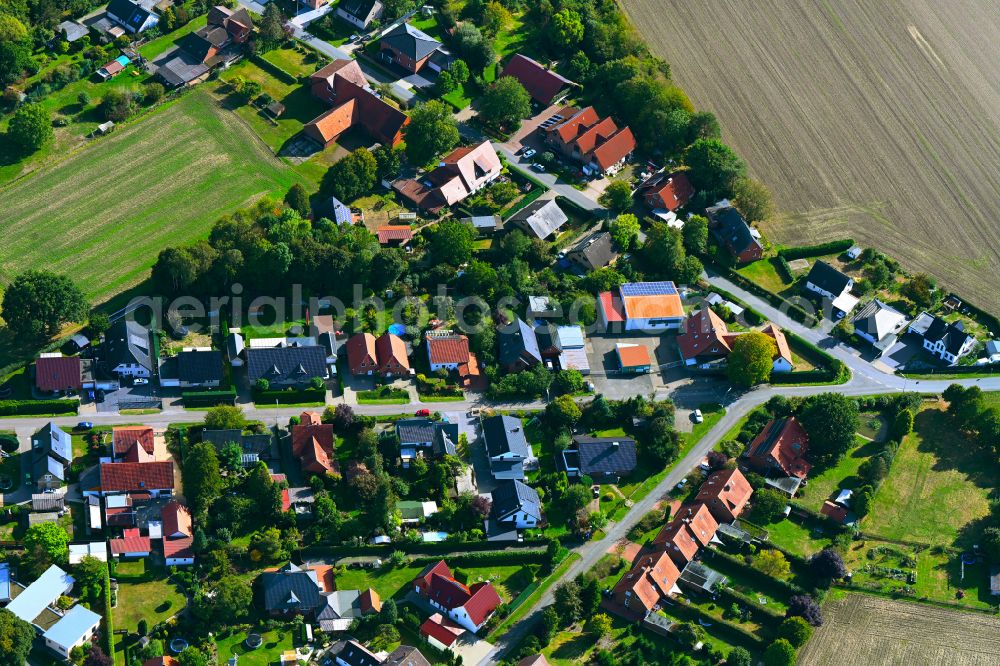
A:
<point x="878" y="632"/>
<point x="876" y="120"/>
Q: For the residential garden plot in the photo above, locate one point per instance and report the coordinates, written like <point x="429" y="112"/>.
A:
<point x="937" y="485"/>
<point x="844" y="474"/>
<point x="877" y="632"/>
<point x="160" y="182"/>
<point x="275" y="643"/>
<point x="145" y="594"/>
<point x="936" y="573"/>
<point x="396" y="582"/>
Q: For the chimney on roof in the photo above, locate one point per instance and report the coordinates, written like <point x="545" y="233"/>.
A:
<point x="615" y="445"/>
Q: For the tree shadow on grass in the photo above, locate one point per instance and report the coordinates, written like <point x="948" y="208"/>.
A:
<point x="573" y="649"/>
<point x="952" y="449"/>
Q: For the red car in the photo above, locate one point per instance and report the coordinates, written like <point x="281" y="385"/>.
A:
<point x="423" y="412"/>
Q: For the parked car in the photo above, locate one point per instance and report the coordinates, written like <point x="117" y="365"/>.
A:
<point x="423" y="412"/>
<point x="596" y="490"/>
<point x="682" y="484"/>
<point x="540" y="168"/>
<point x="697" y="416"/>
<point x="84" y="425"/>
<point x="140" y="381"/>
<point x="529" y="153"/>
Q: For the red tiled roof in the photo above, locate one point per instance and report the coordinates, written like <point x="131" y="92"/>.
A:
<point x="176" y="519"/>
<point x="390" y="351"/>
<point x="774" y="331"/>
<point x="349" y="69"/>
<point x="286" y="499"/>
<point x="615" y="149"/>
<point x="361" y="355"/>
<point x="124" y="438"/>
<point x="611" y="305"/>
<point x="728" y="489"/>
<point x="678" y="540"/>
<point x="834" y="511"/>
<point x="125" y="476"/>
<point x="699" y="520"/>
<point x="448" y="349"/>
<point x="369" y="601"/>
<point x="633" y="356"/>
<point x="137" y="454"/>
<point x="58" y="373"/>
<point x="482" y="603"/>
<point x="179" y="548"/>
<point x="394" y="232"/>
<point x="786" y="448"/>
<point x="423" y="579"/>
<point x="673" y="191"/>
<point x="354" y="104"/>
<point x="441" y="629"/>
<point x="131" y="542"/>
<point x="704" y="332"/>
<point x="573" y="126"/>
<point x="650" y="579"/>
<point x="596" y="135"/>
<point x="542" y="84"/>
<point x="313" y="445"/>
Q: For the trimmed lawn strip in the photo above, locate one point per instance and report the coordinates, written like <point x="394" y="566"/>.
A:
<point x="532" y="599"/>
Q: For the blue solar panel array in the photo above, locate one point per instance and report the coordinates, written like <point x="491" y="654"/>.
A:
<point x="648" y="289"/>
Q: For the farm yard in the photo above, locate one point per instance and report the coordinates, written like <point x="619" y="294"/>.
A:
<point x="866" y="120"/>
<point x="877" y="631"/>
<point x="159" y="182"/>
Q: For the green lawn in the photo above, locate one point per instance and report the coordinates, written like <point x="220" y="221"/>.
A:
<point x="822" y="486"/>
<point x="396" y="582"/>
<point x="763" y="273"/>
<point x="797" y="538"/>
<point x="937" y="485"/>
<point x="154" y="599"/>
<point x="275" y="643"/>
<point x="160" y="182"/>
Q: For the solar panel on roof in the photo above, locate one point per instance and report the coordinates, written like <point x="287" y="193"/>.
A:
<point x="648" y="289"/>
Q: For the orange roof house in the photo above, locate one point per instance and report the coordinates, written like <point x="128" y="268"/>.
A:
<point x="692" y="528"/>
<point x="361" y="355"/>
<point x="313" y="445"/>
<point x="706" y="338"/>
<point x="780" y="448"/>
<point x="641" y="307"/>
<point x="599" y="144"/>
<point x="124" y="438"/>
<point x="726" y="494"/>
<point x="667" y="191"/>
<point x="390" y="350"/>
<point x="633" y="357"/>
<point x="342" y="84"/>
<point x="394" y="234"/>
<point x="651" y="579"/>
<point x="176" y="520"/>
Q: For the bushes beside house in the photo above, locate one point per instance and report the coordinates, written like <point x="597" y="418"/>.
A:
<point x="209" y="398"/>
<point x="290" y="397"/>
<point x="820" y="250"/>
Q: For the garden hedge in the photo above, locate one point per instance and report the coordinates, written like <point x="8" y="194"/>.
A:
<point x="790" y="588"/>
<point x="290" y="397"/>
<point x="32" y="407"/>
<point x="760" y="612"/>
<point x="784" y="270"/>
<point x="208" y="398"/>
<point x="804" y="251"/>
<point x="270" y="67"/>
<point x="734" y="631"/>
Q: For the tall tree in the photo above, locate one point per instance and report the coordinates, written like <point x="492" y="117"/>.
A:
<point x="224" y="417"/>
<point x="16" y="637"/>
<point x="202" y="480"/>
<point x="695" y="234"/>
<point x="625" y="231"/>
<point x="566" y="30"/>
<point x="617" y="196"/>
<point x="37" y="304"/>
<point x="752" y="358"/>
<point x="298" y="199"/>
<point x="505" y="103"/>
<point x="831" y="419"/>
<point x="432" y="131"/>
<point x="30" y="128"/>
<point x="714" y="166"/>
<point x="353" y="176"/>
<point x="451" y="242"/>
<point x="46" y="544"/>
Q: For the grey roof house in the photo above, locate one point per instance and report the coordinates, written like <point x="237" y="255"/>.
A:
<point x="51" y="453"/>
<point x="251" y="443"/>
<point x="540" y="219"/>
<point x="132" y="16"/>
<point x="732" y="231"/>
<point x="879" y="324"/>
<point x="593" y="252"/>
<point x="359" y="13"/>
<point x="127" y="350"/>
<point x="426" y="438"/>
<point x="507" y="446"/>
<point x="200" y="368"/>
<point x="516" y="506"/>
<point x="518" y="347"/>
<point x="286" y="366"/>
<point x="600" y="458"/>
